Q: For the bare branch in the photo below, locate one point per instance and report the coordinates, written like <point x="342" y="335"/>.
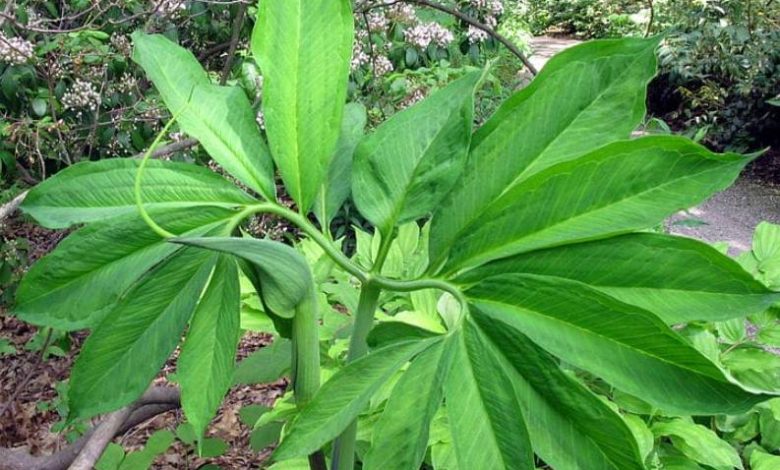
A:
<point x="466" y="19"/>
<point x="238" y="21"/>
<point x="155" y="401"/>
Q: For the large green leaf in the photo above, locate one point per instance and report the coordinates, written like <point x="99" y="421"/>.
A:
<point x="487" y="424"/>
<point x="221" y="118"/>
<point x="285" y="277"/>
<point x="699" y="443"/>
<point x="619" y="188"/>
<point x="339" y="401"/>
<point x="205" y="366"/>
<point x="629" y="347"/>
<point x="400" y="437"/>
<point x="585" y="97"/>
<point x="129" y="346"/>
<point x="304" y="49"/>
<point x="338" y="184"/>
<point x="679" y="279"/>
<point x="570" y="427"/>
<point x="94" y="191"/>
<point x="76" y="284"/>
<point x="410" y="162"/>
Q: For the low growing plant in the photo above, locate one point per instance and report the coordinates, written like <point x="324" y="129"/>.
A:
<point x="535" y="231"/>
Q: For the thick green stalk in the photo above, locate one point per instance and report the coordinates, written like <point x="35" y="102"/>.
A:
<point x="306" y="360"/>
<point x="344" y="446"/>
<point x="306" y="351"/>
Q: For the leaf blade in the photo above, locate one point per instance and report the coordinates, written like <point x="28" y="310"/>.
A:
<point x="74" y="285"/>
<point x="94" y="191"/>
<point x="619" y="188"/>
<point x="412" y="160"/>
<point x="400" y="437"/>
<point x="569" y="426"/>
<point x="219" y="117"/>
<point x="129" y="346"/>
<point x="585" y="97"/>
<point x="487" y="424"/>
<point x="679" y="279"/>
<point x="303" y="48"/>
<point x="207" y="359"/>
<point x="627" y="346"/>
<point x="336" y="188"/>
<point x="338" y="402"/>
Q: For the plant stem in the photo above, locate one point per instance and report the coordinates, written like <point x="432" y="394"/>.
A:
<point x="336" y="255"/>
<point x="306" y="350"/>
<point x="306" y="360"/>
<point x="309" y="229"/>
<point x="344" y="446"/>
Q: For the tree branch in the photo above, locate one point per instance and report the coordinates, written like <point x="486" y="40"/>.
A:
<point x="466" y="19"/>
<point x="238" y="21"/>
<point x="84" y="453"/>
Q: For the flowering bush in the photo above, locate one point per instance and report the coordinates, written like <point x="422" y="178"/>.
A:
<point x="70" y="92"/>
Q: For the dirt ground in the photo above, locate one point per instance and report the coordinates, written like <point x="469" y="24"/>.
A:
<point x="31" y="383"/>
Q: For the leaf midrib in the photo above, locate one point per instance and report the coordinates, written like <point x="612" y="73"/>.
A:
<point x="491" y="253"/>
<point x="594" y="333"/>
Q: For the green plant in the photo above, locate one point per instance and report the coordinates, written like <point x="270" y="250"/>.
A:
<point x="535" y="235"/>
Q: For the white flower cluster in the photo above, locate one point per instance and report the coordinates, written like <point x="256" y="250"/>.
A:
<point x="122" y="44"/>
<point x="382" y="65"/>
<point x="15" y="51"/>
<point x="127" y="83"/>
<point x="414" y="97"/>
<point x="82" y="95"/>
<point x="359" y="57"/>
<point x="489" y="11"/>
<point x="260" y="119"/>
<point x="402" y="13"/>
<point x="377" y="22"/>
<point x="426" y="33"/>
<point x="476" y="35"/>
<point x="169" y="7"/>
<point x="493" y="7"/>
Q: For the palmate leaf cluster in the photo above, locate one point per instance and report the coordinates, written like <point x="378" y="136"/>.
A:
<point x="536" y="225"/>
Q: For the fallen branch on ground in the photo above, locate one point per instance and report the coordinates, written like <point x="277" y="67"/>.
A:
<point x="85" y="452"/>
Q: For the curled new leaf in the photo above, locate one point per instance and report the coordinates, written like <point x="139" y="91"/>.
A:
<point x="285" y="277"/>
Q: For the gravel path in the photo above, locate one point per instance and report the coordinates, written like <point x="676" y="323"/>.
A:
<point x="732" y="215"/>
<point x="544" y="47"/>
